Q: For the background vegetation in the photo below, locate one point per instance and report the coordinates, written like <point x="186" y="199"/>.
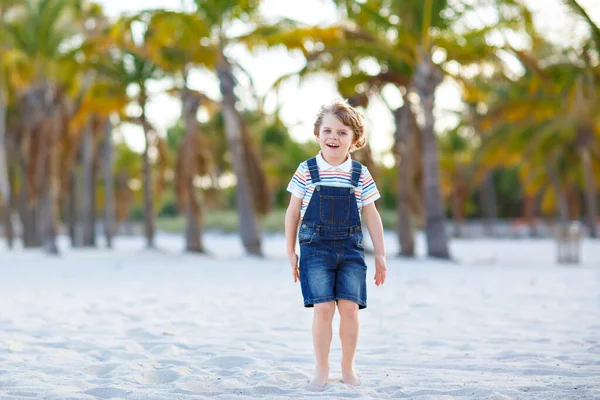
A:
<point x="526" y="145"/>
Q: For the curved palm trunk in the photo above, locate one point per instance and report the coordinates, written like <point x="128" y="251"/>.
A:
<point x="147" y="179"/>
<point x="427" y="79"/>
<point x="109" y="178"/>
<point x="591" y="207"/>
<point x="404" y="164"/>
<point x="233" y="131"/>
<point x="190" y="202"/>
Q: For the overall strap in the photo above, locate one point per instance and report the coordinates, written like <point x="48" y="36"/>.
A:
<point x="356" y="172"/>
<point x="313" y="168"/>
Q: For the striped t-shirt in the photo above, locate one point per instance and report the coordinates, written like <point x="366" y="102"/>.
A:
<point x="302" y="186"/>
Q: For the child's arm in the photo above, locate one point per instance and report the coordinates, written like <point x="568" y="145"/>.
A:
<point x="375" y="227"/>
<point x="292" y="219"/>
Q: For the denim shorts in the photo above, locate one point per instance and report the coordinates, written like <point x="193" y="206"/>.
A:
<point x="332" y="268"/>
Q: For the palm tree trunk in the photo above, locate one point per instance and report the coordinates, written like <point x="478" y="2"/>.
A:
<point x="9" y="230"/>
<point x="147" y="176"/>
<point x="28" y="213"/>
<point x="87" y="186"/>
<point x="405" y="179"/>
<point x="5" y="194"/>
<point x="489" y="204"/>
<point x="50" y="203"/>
<point x="109" y="178"/>
<point x="72" y="208"/>
<point x="192" y="206"/>
<point x="427" y="78"/>
<point x="93" y="190"/>
<point x="193" y="232"/>
<point x="233" y="131"/>
<point x="48" y="221"/>
<point x="591" y="207"/>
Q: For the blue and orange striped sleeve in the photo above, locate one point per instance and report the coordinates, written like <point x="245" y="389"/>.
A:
<point x="297" y="185"/>
<point x="370" y="193"/>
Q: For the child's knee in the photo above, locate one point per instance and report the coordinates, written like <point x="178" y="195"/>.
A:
<point x="347" y="309"/>
<point x="325" y="310"/>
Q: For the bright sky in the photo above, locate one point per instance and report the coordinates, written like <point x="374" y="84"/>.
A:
<point x="300" y="102"/>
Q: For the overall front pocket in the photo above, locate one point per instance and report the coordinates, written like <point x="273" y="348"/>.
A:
<point x="335" y="209"/>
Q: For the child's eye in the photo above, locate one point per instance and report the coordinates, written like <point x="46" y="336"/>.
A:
<point x="342" y="133"/>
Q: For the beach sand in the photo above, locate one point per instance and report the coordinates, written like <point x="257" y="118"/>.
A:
<point x="503" y="321"/>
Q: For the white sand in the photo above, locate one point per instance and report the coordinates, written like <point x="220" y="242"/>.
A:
<point x="504" y="323"/>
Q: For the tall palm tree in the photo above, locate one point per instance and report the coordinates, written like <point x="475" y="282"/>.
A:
<point x="40" y="36"/>
<point x="219" y="15"/>
<point x="547" y="116"/>
<point x="587" y="87"/>
<point x="133" y="64"/>
<point x="176" y="40"/>
<point x="6" y="6"/>
<point x="7" y="62"/>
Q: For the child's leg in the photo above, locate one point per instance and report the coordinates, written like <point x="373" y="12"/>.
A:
<point x="349" y="336"/>
<point x="322" y="333"/>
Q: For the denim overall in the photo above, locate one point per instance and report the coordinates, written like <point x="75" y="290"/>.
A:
<point x="332" y="258"/>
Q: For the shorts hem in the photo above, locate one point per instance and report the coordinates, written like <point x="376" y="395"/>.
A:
<point x="311" y="302"/>
<point x="317" y="300"/>
<point x="361" y="303"/>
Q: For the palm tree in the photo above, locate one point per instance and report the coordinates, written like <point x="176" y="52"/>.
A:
<point x="90" y="127"/>
<point x="176" y="39"/>
<point x="587" y="106"/>
<point x="40" y="36"/>
<point x="6" y="6"/>
<point x="133" y="64"/>
<point x="251" y="190"/>
<point x="547" y="116"/>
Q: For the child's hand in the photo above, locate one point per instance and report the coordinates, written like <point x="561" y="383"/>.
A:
<point x="294" y="264"/>
<point x="380" y="269"/>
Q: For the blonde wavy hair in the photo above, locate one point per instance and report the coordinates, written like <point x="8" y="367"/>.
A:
<point x="348" y="116"/>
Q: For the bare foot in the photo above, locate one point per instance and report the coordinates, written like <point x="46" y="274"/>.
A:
<point x="349" y="377"/>
<point x="320" y="378"/>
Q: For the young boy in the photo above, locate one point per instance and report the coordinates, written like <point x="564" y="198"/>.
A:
<point x="328" y="193"/>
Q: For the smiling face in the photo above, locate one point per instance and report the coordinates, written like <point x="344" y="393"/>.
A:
<point x="335" y="139"/>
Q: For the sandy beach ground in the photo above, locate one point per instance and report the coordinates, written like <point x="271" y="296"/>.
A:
<point x="502" y="322"/>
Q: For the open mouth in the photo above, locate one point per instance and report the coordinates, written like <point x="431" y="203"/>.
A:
<point x="332" y="145"/>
